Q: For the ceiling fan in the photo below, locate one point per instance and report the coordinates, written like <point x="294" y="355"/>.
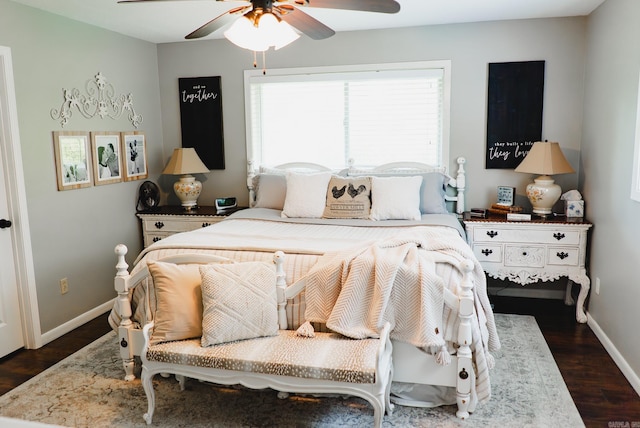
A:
<point x="289" y="11"/>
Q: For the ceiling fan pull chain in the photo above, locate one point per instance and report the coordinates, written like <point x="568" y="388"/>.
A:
<point x="264" y="63"/>
<point x="255" y="60"/>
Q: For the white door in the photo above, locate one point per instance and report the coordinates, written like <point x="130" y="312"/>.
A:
<point x="11" y="337"/>
<point x="18" y="304"/>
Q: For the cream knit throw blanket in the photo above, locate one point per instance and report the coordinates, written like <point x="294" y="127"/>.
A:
<point x="355" y="291"/>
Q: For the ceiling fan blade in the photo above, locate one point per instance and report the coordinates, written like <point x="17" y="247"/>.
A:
<point x="381" y="6"/>
<point x="303" y="22"/>
<point x="217" y="23"/>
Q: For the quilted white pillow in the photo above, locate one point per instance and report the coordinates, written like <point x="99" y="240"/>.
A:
<point x="306" y="194"/>
<point x="239" y="302"/>
<point x="396" y="198"/>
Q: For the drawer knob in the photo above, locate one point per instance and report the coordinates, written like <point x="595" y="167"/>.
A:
<point x="486" y="251"/>
<point x="206" y="224"/>
<point x="524" y="253"/>
<point x="492" y="233"/>
<point x="562" y="255"/>
<point x="156" y="239"/>
<point x="558" y="236"/>
<point x="159" y="225"/>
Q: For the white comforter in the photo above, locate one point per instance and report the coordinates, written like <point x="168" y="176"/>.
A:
<point x="255" y="234"/>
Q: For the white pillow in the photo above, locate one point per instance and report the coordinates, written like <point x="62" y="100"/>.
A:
<point x="306" y="194"/>
<point x="240" y="302"/>
<point x="396" y="198"/>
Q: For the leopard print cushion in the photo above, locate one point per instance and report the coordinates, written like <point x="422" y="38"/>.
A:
<point x="328" y="356"/>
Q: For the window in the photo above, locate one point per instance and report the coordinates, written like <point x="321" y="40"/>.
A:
<point x="372" y="114"/>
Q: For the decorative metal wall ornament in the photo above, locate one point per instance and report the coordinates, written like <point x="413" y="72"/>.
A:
<point x="100" y="100"/>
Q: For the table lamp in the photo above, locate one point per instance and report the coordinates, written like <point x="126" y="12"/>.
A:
<point x="544" y="158"/>
<point x="185" y="162"/>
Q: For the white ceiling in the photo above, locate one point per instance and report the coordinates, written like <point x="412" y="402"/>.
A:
<point x="170" y="21"/>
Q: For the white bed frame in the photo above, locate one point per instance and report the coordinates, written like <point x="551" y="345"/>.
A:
<point x="411" y="365"/>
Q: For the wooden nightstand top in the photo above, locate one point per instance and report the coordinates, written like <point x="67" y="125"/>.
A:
<point x="178" y="210"/>
<point x="496" y="218"/>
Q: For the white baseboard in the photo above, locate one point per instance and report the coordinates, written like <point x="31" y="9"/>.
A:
<point x="622" y="364"/>
<point x="535" y="293"/>
<point x="82" y="319"/>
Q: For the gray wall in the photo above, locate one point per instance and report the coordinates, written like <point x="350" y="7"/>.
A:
<point x="610" y="107"/>
<point x="74" y="232"/>
<point x="470" y="47"/>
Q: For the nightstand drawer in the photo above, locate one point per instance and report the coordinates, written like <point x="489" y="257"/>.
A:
<point x="488" y="253"/>
<point x="150" y="238"/>
<point x="545" y="236"/>
<point x="175" y="225"/>
<point x="168" y="220"/>
<point x="563" y="256"/>
<point x="524" y="255"/>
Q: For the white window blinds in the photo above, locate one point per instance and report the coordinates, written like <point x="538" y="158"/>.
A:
<point x="374" y="115"/>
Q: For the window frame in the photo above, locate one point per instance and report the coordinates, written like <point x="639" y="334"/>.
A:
<point x="444" y="65"/>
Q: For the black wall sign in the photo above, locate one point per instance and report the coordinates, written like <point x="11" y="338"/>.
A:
<point x="514" y="111"/>
<point x="201" y="118"/>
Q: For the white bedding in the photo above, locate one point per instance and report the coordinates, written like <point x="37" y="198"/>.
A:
<point x="263" y="229"/>
<point x="255" y="234"/>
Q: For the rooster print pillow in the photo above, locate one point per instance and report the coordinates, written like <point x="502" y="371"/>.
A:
<point x="348" y="198"/>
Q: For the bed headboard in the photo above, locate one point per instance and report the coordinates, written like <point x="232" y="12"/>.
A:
<point x="457" y="183"/>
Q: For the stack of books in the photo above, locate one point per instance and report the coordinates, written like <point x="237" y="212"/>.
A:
<point x="504" y="209"/>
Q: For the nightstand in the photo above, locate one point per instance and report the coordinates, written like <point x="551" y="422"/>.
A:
<point x="531" y="251"/>
<point x="168" y="220"/>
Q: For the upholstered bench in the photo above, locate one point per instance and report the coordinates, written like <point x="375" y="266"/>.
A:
<point x="280" y="359"/>
<point x="326" y="363"/>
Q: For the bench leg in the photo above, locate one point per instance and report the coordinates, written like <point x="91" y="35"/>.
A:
<point x="388" y="405"/>
<point x="147" y="384"/>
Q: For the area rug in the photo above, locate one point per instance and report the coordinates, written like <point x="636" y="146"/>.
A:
<point x="87" y="390"/>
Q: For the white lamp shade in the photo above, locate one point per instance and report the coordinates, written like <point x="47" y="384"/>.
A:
<point x="259" y="32"/>
<point x="544" y="158"/>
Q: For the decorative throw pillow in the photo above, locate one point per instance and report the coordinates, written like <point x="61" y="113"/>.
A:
<point x="348" y="198"/>
<point x="306" y="194"/>
<point x="179" y="301"/>
<point x="271" y="190"/>
<point x="432" y="194"/>
<point x="239" y="302"/>
<point x="396" y="198"/>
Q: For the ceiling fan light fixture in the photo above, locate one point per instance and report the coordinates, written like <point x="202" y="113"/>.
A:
<point x="286" y="35"/>
<point x="260" y="31"/>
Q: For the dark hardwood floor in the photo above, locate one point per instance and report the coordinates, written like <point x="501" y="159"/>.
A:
<point x="602" y="394"/>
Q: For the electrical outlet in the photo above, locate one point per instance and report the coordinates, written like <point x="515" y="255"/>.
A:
<point x="597" y="287"/>
<point x="64" y="286"/>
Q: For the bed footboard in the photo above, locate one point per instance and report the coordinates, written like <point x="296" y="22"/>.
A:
<point x="413" y="366"/>
<point x="464" y="355"/>
<point x="128" y="336"/>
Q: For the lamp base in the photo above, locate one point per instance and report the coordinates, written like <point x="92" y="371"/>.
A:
<point x="543" y="193"/>
<point x="188" y="190"/>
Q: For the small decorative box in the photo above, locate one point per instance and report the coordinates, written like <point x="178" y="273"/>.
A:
<point x="574" y="208"/>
